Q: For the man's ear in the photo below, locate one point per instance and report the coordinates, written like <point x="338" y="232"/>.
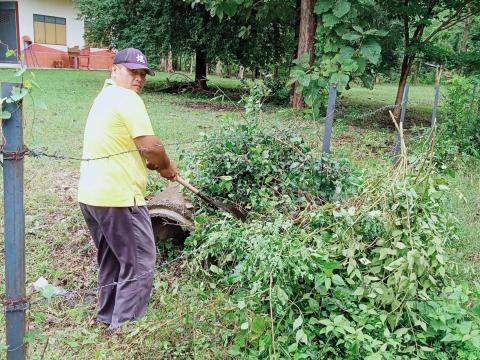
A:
<point x="115" y="69"/>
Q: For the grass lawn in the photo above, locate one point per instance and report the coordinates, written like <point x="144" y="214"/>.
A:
<point x="185" y="319"/>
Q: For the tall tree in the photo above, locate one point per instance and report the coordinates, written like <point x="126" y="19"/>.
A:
<point x="306" y="37"/>
<point x="416" y="17"/>
<point x="161" y="26"/>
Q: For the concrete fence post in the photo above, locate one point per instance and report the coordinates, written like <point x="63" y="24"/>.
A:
<point x="327" y="136"/>
<point x="402" y="119"/>
<point x="14" y="219"/>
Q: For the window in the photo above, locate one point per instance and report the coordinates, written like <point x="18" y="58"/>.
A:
<point x="50" y="30"/>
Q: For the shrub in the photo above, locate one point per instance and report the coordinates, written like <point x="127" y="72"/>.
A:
<point x="262" y="169"/>
<point x="459" y="128"/>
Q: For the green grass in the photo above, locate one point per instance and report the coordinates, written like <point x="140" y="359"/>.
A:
<point x="186" y="319"/>
<point x="465" y="206"/>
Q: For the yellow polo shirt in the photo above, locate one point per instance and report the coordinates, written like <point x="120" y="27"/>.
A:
<point x="118" y="115"/>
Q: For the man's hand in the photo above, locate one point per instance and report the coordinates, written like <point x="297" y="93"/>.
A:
<point x="169" y="173"/>
<point x="151" y="166"/>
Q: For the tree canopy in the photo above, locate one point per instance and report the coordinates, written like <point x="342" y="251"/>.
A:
<point x="160" y="26"/>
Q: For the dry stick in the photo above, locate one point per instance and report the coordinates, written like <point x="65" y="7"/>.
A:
<point x="45" y="348"/>
<point x="404" y="163"/>
<point x="399" y="129"/>
<point x="271" y="317"/>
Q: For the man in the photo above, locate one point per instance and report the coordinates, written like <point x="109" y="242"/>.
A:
<point x="120" y="140"/>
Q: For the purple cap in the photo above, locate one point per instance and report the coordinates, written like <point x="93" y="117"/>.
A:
<point x="133" y="59"/>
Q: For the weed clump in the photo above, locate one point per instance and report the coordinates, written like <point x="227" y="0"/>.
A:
<point x="329" y="266"/>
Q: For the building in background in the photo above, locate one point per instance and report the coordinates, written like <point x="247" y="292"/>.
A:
<point x="47" y="34"/>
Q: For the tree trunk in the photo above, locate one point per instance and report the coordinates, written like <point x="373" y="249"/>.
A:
<point x="254" y="73"/>
<point x="295" y="51"/>
<point x="406" y="69"/>
<point x="305" y="41"/>
<point x="463" y="43"/>
<point x="192" y="63"/>
<point x="218" y="68"/>
<point x="201" y="68"/>
<point x="170" y="62"/>
<point x="241" y="72"/>
<point x="275" y="72"/>
<point x="163" y="63"/>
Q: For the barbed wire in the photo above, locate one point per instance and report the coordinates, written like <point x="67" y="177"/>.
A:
<point x="70" y="293"/>
<point x="370" y="113"/>
<point x="40" y="152"/>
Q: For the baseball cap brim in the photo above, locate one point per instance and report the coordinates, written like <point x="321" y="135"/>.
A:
<point x="135" y="66"/>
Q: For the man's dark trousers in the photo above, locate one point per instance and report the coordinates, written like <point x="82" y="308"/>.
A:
<point x="126" y="254"/>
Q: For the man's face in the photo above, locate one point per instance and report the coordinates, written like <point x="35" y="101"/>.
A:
<point x="129" y="79"/>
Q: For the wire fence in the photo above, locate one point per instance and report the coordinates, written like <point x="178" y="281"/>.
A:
<point x="58" y="156"/>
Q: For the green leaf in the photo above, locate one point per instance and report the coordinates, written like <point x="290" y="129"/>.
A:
<point x="330" y="20"/>
<point x="245" y="325"/>
<point x="451" y="337"/>
<point x="358" y="28"/>
<point x="18" y="94"/>
<point x="359" y="291"/>
<point x="376" y="32"/>
<point x="235" y="350"/>
<point x="230" y="7"/>
<point x="282" y="295"/>
<point x="293" y="347"/>
<point x="337" y="280"/>
<point x="465" y="327"/>
<point x="297" y="323"/>
<point x="258" y="324"/>
<point x="476" y="341"/>
<point x="20" y="71"/>
<point x="345" y="52"/>
<point x="328" y="283"/>
<point x="376" y="356"/>
<point x="362" y="64"/>
<point x="341" y="8"/>
<point x="349" y="65"/>
<point x="300" y="336"/>
<point x="6" y="115"/>
<point x="351" y="36"/>
<point x="371" y="51"/>
<point x="215" y="269"/>
<point x="322" y="6"/>
<point x="340" y="79"/>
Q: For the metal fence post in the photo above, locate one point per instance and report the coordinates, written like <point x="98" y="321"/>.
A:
<point x="14" y="220"/>
<point x="402" y="119"/>
<point x="332" y="96"/>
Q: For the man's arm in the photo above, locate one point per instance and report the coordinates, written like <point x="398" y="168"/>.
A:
<point x="154" y="152"/>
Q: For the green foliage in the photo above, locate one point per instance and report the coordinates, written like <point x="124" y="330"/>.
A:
<point x="359" y="276"/>
<point x="460" y="122"/>
<point x="158" y="27"/>
<point x="362" y="279"/>
<point x="251" y="165"/>
<point x="347" y="46"/>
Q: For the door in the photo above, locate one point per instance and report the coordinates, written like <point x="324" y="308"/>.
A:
<point x="8" y="31"/>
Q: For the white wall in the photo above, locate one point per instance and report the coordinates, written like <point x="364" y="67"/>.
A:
<point x="58" y="8"/>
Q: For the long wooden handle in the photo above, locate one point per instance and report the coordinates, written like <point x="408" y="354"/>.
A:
<point x="186" y="184"/>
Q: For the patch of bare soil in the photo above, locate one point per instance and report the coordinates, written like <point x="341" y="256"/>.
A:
<point x="209" y="106"/>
